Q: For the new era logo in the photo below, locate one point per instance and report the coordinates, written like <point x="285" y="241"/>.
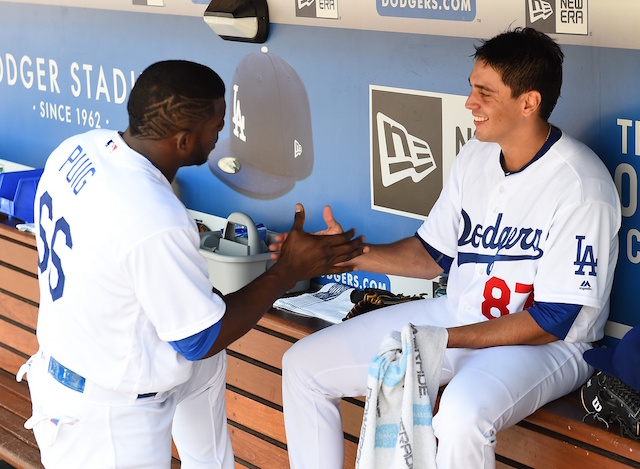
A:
<point x="539" y="10"/>
<point x="297" y="149"/>
<point x="415" y="136"/>
<point x="404" y="156"/>
<point x="559" y="16"/>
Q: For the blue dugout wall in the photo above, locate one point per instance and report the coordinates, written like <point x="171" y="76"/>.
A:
<point x="66" y="69"/>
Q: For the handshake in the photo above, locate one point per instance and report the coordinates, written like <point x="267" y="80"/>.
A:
<point x="301" y="255"/>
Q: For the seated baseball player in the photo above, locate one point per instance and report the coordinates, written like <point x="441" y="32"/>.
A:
<point x="526" y="228"/>
<point x="131" y="333"/>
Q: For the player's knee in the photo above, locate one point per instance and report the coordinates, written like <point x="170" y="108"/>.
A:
<point x="293" y="362"/>
<point x="461" y="418"/>
<point x="301" y="364"/>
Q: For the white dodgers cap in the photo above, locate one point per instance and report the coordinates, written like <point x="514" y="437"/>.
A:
<point x="270" y="144"/>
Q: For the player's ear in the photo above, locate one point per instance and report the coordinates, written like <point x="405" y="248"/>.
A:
<point x="531" y="102"/>
<point x="182" y="140"/>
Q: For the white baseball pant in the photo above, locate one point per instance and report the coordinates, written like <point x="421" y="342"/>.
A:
<point x="487" y="389"/>
<point x="101" y="429"/>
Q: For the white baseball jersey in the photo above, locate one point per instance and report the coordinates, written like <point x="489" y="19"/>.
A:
<point x="548" y="232"/>
<point x="120" y="270"/>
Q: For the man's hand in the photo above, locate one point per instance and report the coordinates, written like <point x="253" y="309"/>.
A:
<point x="333" y="227"/>
<point x="302" y="256"/>
<point x="307" y="255"/>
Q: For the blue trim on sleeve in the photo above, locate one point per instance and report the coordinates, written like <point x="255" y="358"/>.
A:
<point x="196" y="346"/>
<point x="442" y="260"/>
<point x="555" y="318"/>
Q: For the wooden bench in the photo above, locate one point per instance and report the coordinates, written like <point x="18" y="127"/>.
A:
<point x="553" y="437"/>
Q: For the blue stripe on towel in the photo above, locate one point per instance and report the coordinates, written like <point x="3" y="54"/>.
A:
<point x="422" y="414"/>
<point x="386" y="435"/>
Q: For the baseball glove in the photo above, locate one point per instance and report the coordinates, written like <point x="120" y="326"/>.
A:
<point x="370" y="299"/>
<point x="609" y="400"/>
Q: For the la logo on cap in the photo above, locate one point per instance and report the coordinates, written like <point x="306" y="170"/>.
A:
<point x="270" y="144"/>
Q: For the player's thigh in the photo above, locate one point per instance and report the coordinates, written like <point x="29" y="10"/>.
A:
<point x="335" y="360"/>
<point x="200" y="422"/>
<point x="499" y="386"/>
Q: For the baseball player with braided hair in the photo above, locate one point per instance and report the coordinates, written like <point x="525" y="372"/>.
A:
<point x="131" y="333"/>
<point x="526" y="227"/>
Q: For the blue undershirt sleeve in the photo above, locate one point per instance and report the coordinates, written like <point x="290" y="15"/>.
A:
<point x="555" y="318"/>
<point x="442" y="260"/>
<point x="196" y="346"/>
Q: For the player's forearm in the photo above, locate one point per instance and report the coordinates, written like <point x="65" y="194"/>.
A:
<point x="513" y="329"/>
<point x="406" y="258"/>
<point x="245" y="307"/>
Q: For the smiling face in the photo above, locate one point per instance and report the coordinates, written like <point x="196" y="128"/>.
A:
<point x="496" y="113"/>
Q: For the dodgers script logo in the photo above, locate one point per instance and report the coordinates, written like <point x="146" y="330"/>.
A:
<point x="526" y="241"/>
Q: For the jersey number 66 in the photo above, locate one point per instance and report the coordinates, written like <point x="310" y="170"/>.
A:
<point x="49" y="256"/>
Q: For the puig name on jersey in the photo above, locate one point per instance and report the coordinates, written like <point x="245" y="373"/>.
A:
<point x="80" y="169"/>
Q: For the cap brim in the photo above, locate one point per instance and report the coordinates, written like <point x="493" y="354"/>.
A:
<point x="601" y="358"/>
<point x="248" y="180"/>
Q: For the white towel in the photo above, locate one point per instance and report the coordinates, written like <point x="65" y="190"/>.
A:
<point x="402" y="385"/>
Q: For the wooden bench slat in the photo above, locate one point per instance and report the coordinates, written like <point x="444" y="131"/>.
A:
<point x="20" y="339"/>
<point x="18" y="446"/>
<point x="255" y="380"/>
<point x="256" y="416"/>
<point x="8" y="382"/>
<point x="19" y="255"/>
<point x="10" y="361"/>
<point x="351" y="418"/>
<point x="291" y="325"/>
<point x="18" y="454"/>
<point x="17" y="235"/>
<point x="18" y="311"/>
<point x="262" y="347"/>
<point x="257" y="451"/>
<point x="544" y="452"/>
<point x="350" y="453"/>
<point x="564" y="416"/>
<point x="20" y="284"/>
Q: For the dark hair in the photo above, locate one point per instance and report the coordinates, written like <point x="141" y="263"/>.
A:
<point x="171" y="96"/>
<point x="527" y="60"/>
